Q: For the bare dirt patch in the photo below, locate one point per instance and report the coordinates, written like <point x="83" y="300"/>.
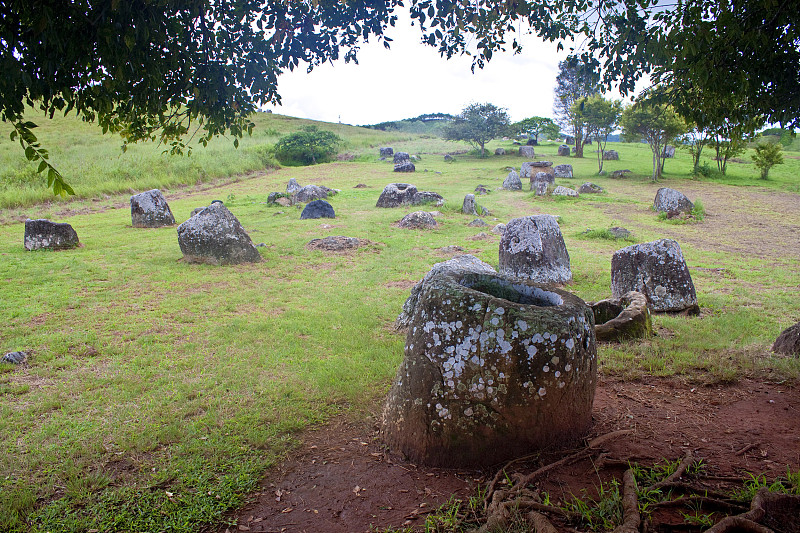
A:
<point x="749" y="221"/>
<point x="343" y="480"/>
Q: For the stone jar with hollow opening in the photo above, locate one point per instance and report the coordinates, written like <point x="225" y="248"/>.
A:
<point x="494" y="367"/>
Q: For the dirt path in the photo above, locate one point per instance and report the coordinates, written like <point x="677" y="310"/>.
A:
<point x="342" y="479"/>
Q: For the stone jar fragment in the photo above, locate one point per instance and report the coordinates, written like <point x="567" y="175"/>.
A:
<point x="590" y="188"/>
<point x="468" y="207"/>
<point x="512" y="181"/>
<point x="494" y="368"/>
<point x="788" y="342"/>
<point x="310" y="193"/>
<point x="42" y="234"/>
<point x="149" y="209"/>
<point x="418" y="220"/>
<point x="670" y="200"/>
<point x="657" y="270"/>
<point x="318" y="209"/>
<point x="532" y="248"/>
<point x="292" y="187"/>
<point x="618" y="319"/>
<point x="215" y="236"/>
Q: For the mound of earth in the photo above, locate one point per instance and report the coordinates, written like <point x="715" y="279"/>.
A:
<point x="337" y="243"/>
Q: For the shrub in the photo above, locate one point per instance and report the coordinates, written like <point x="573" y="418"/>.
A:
<point x="767" y="156"/>
<point x="698" y="211"/>
<point x="705" y="171"/>
<point x="307" y="147"/>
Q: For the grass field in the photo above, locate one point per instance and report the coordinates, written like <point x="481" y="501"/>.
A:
<point x="157" y="392"/>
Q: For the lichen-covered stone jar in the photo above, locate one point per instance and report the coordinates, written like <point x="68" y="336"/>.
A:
<point x="494" y="367"/>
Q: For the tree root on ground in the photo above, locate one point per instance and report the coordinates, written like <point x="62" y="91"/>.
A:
<point x="517" y="502"/>
<point x="631" y="520"/>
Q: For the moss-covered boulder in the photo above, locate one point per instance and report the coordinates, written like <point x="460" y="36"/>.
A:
<point x="494" y="367"/>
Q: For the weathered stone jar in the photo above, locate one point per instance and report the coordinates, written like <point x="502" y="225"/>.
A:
<point x="494" y="367"/>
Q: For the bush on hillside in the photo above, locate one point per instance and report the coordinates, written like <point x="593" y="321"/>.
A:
<point x="307" y="147"/>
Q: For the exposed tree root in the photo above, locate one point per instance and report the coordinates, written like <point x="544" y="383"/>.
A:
<point x="686" y="463"/>
<point x="738" y="524"/>
<point x="729" y="506"/>
<point x="690" y="488"/>
<point x="519" y="502"/>
<point x="591" y="449"/>
<point x="540" y="523"/>
<point x="630" y="505"/>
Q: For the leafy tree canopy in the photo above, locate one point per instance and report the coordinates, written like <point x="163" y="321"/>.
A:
<point x="535" y="126"/>
<point x="656" y="124"/>
<point x="600" y="118"/>
<point x="159" y="69"/>
<point x="478" y="124"/>
<point x="749" y="48"/>
<point x="575" y="81"/>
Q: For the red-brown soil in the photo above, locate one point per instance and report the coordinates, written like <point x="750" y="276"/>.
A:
<point x="343" y="480"/>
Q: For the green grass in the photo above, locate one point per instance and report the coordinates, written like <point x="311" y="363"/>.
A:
<point x="95" y="165"/>
<point x="157" y="392"/>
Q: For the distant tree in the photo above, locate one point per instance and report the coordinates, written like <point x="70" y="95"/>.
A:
<point x="656" y="124"/>
<point x="694" y="141"/>
<point x="767" y="156"/>
<point x="478" y="124"/>
<point x="729" y="140"/>
<point x="307" y="147"/>
<point x="600" y="118"/>
<point x="575" y="80"/>
<point x="535" y="126"/>
<point x="786" y="136"/>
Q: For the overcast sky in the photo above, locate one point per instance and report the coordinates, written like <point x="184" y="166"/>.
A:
<point x="411" y="79"/>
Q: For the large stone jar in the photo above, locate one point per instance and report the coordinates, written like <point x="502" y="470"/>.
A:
<point x="494" y="367"/>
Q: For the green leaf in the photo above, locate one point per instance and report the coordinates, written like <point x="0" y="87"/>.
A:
<point x="42" y="167"/>
<point x="30" y="154"/>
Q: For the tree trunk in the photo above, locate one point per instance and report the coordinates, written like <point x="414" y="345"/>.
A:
<point x="578" y="130"/>
<point x="697" y="158"/>
<point x="483" y="151"/>
<point x="655" y="164"/>
<point x="601" y="148"/>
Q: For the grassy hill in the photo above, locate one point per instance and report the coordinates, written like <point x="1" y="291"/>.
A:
<point x="95" y="165"/>
<point x="158" y="392"/>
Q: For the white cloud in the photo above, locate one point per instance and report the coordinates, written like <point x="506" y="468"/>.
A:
<point x="411" y="79"/>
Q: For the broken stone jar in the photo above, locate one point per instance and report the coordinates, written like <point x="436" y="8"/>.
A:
<point x="494" y="367"/>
